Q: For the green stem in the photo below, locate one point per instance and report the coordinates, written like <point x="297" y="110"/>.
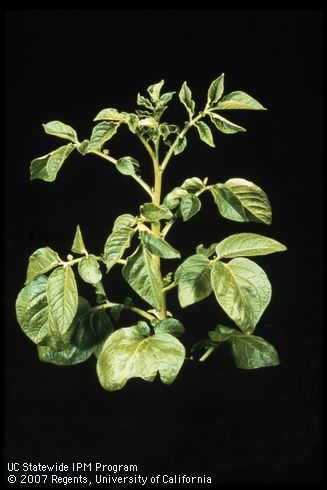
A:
<point x="134" y="176"/>
<point x="207" y="353"/>
<point x="138" y="311"/>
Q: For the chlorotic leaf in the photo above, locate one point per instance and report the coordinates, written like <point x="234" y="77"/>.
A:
<point x="142" y="275"/>
<point x="62" y="298"/>
<point x="247" y="245"/>
<point x="40" y="262"/>
<point x="190" y="205"/>
<point x="47" y="167"/>
<point x="180" y="145"/>
<point x="129" y="354"/>
<point x="207" y="252"/>
<point x="155" y="213"/>
<point x="170" y="325"/>
<point x="192" y="185"/>
<point x="124" y="220"/>
<point x="216" y="90"/>
<point x="126" y="165"/>
<point x="78" y="243"/>
<point x="101" y="133"/>
<point x="154" y="91"/>
<point x="239" y="100"/>
<point x="194" y="280"/>
<point x="224" y="125"/>
<point x="205" y="133"/>
<point x="185" y="96"/>
<point x="241" y="200"/>
<point x="57" y="128"/>
<point x="32" y="310"/>
<point x="243" y="291"/>
<point x="110" y="115"/>
<point x="89" y="269"/>
<point x="252" y="352"/>
<point x="158" y="246"/>
<point x="116" y="244"/>
<point x="82" y="147"/>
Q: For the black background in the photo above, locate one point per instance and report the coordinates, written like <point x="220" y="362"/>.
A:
<point x="237" y="426"/>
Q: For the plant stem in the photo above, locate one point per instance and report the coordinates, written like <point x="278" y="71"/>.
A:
<point x="207" y="353"/>
<point x="156" y="227"/>
<point x="134" y="176"/>
<point x="138" y="311"/>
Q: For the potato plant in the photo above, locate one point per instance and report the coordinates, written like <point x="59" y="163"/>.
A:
<point x="67" y="329"/>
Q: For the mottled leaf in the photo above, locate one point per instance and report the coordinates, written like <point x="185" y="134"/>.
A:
<point x="78" y="243"/>
<point x="57" y="128"/>
<point x="190" y="205"/>
<point x="89" y="269"/>
<point x="205" y="133"/>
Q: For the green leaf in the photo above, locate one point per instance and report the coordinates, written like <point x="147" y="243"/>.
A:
<point x="47" y="167"/>
<point x="194" y="280"/>
<point x="222" y="333"/>
<point x="158" y="246"/>
<point x="243" y="291"/>
<point x="180" y="145"/>
<point x="143" y="101"/>
<point x="78" y="243"/>
<point x="82" y="148"/>
<point x="239" y="100"/>
<point x="216" y="90"/>
<point x="205" y="133"/>
<point x="142" y="275"/>
<point x="126" y="165"/>
<point x="40" y="262"/>
<point x="194" y="184"/>
<point x="154" y="91"/>
<point x="224" y="125"/>
<point x="170" y="325"/>
<point x="67" y="357"/>
<point x="176" y="193"/>
<point x="124" y="220"/>
<point x="251" y="352"/>
<point x="207" y="252"/>
<point x="185" y="96"/>
<point x="32" y="310"/>
<point x="190" y="205"/>
<point x="89" y="269"/>
<point x="91" y="329"/>
<point x="241" y="200"/>
<point x="70" y="354"/>
<point x="155" y="213"/>
<point x="111" y="115"/>
<point x="128" y="354"/>
<point x="62" y="298"/>
<point x="101" y="133"/>
<point x="116" y="244"/>
<point x="247" y="245"/>
<point x="57" y="128"/>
